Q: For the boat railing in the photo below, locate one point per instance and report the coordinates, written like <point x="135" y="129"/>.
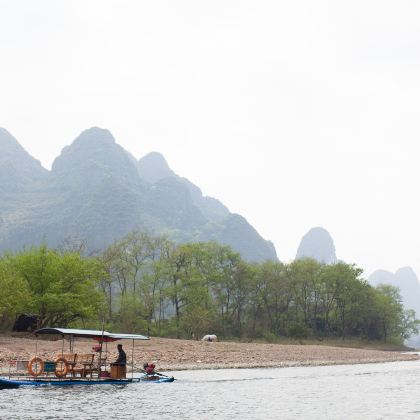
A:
<point x="18" y="368"/>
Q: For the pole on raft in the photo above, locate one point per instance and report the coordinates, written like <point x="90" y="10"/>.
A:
<point x="100" y="348"/>
<point x="106" y="352"/>
<point x="132" y="361"/>
<point x="36" y="353"/>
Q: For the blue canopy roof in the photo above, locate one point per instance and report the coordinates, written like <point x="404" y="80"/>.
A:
<point x="90" y="333"/>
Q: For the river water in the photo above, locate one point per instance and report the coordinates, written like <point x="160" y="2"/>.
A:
<point x="373" y="391"/>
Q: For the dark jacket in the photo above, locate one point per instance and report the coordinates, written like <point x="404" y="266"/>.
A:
<point x="122" y="358"/>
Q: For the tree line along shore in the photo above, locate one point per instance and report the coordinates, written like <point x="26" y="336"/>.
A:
<point x="151" y="285"/>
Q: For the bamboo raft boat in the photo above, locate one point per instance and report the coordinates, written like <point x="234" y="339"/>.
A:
<point x="72" y="369"/>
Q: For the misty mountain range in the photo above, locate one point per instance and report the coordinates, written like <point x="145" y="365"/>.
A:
<point x="96" y="192"/>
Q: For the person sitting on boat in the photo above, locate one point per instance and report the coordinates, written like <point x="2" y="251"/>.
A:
<point x="149" y="368"/>
<point x="122" y="357"/>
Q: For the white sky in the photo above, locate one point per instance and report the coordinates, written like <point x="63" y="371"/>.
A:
<point x="294" y="114"/>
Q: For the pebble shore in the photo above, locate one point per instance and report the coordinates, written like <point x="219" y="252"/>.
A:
<point x="172" y="354"/>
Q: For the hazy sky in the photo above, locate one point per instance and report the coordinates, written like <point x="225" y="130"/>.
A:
<point x="294" y="114"/>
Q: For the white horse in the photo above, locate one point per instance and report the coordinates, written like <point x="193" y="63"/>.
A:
<point x="210" y="338"/>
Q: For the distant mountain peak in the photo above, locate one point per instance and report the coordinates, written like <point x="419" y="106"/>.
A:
<point x="8" y="143"/>
<point x="402" y="277"/>
<point x="96" y="135"/>
<point x="16" y="162"/>
<point x="156" y="157"/>
<point x="153" y="167"/>
<point x="93" y="157"/>
<point x="406" y="280"/>
<point x="97" y="192"/>
<point x="90" y="142"/>
<point x="317" y="243"/>
<point x="5" y="133"/>
<point x="407" y="272"/>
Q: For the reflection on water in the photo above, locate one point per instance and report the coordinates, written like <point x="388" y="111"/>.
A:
<point x="376" y="391"/>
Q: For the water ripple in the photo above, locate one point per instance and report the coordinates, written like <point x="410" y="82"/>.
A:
<point x="377" y="391"/>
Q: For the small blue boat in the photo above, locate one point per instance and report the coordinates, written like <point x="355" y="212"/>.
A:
<point x="156" y="379"/>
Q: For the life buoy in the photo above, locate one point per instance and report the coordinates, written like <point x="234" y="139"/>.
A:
<point x="61" y="367"/>
<point x="40" y="366"/>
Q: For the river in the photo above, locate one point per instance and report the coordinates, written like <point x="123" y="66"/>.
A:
<point x="370" y="391"/>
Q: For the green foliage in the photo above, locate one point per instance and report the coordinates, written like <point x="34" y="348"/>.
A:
<point x="298" y="331"/>
<point x="270" y="337"/>
<point x="151" y="285"/>
<point x="58" y="288"/>
<point x="194" y="288"/>
<point x="15" y="296"/>
<point x="131" y="316"/>
<point x="392" y="320"/>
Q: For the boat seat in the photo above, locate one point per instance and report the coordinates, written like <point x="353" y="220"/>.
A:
<point x="84" y="365"/>
<point x="49" y="367"/>
<point x="95" y="367"/>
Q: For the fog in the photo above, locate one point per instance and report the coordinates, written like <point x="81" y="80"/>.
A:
<point x="293" y="114"/>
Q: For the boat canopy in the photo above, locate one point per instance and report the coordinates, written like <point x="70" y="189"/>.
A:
<point x="96" y="334"/>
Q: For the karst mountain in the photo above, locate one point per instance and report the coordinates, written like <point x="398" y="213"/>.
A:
<point x="318" y="244"/>
<point x="96" y="192"/>
<point x="407" y="282"/>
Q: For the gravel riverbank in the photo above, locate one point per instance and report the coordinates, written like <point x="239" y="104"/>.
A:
<point x="172" y="354"/>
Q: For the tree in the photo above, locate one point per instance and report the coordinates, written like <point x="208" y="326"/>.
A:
<point x="15" y="297"/>
<point x="390" y="311"/>
<point x="62" y="288"/>
<point x="304" y="274"/>
<point x="277" y="295"/>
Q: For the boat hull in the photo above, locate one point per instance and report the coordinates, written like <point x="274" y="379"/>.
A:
<point x="6" y="383"/>
<point x="160" y="380"/>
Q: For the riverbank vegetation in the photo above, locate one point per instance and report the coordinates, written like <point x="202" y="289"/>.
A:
<point x="149" y="284"/>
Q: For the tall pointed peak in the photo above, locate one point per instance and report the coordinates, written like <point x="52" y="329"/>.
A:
<point x="317" y="243"/>
<point x="95" y="135"/>
<point x="4" y="133"/>
<point x="406" y="276"/>
<point x="8" y="143"/>
<point x="13" y="155"/>
<point x="92" y="157"/>
<point x="92" y="142"/>
<point x="381" y="277"/>
<point x="406" y="272"/>
<point x="153" y="167"/>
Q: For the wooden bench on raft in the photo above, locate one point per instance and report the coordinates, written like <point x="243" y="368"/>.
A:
<point x="84" y="365"/>
<point x="81" y="364"/>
